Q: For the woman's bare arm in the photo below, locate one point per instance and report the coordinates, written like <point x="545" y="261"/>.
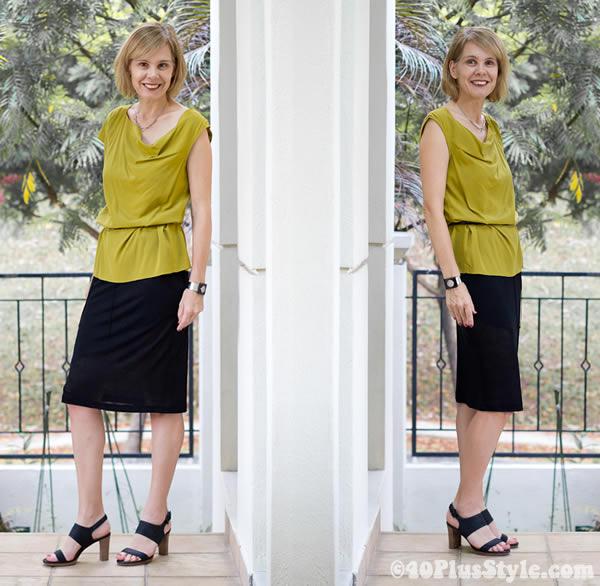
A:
<point x="434" y="158"/>
<point x="199" y="169"/>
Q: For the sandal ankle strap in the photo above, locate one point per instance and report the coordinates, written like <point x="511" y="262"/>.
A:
<point x="468" y="525"/>
<point x="152" y="531"/>
<point x="83" y="535"/>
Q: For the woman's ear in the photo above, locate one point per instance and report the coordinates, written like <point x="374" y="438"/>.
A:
<point x="452" y="68"/>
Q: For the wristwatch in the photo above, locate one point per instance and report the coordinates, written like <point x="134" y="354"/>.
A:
<point x="452" y="282"/>
<point x="199" y="288"/>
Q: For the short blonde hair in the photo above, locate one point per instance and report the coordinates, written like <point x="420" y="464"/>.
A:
<point x="145" y="38"/>
<point x="486" y="39"/>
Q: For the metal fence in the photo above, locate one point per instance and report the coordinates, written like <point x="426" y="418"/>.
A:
<point x="558" y="342"/>
<point x="39" y="316"/>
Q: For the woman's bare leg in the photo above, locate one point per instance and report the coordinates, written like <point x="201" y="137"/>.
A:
<point x="167" y="438"/>
<point x="87" y="430"/>
<point x="478" y="433"/>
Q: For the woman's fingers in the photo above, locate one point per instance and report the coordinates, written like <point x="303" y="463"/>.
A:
<point x="460" y="305"/>
<point x="190" y="306"/>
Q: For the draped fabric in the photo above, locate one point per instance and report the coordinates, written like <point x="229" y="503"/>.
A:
<point x="479" y="203"/>
<point x="146" y="191"/>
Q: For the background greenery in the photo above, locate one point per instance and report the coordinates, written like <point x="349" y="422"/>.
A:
<point x="56" y="88"/>
<point x="550" y="122"/>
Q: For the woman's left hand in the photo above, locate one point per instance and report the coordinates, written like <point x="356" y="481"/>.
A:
<point x="190" y="306"/>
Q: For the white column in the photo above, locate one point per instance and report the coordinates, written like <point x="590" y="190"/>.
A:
<point x="206" y="410"/>
<point x="402" y="242"/>
<point x="252" y="388"/>
<point x="354" y="251"/>
<point x="302" y="229"/>
<point x="381" y="215"/>
<point x="224" y="249"/>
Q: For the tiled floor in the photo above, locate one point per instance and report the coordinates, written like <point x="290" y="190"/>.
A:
<point x="205" y="560"/>
<point x="417" y="555"/>
<point x="198" y="560"/>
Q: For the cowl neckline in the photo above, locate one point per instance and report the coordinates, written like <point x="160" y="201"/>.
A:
<point x="488" y="139"/>
<point x="159" y="142"/>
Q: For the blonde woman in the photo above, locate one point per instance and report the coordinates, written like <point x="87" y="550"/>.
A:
<point x="469" y="205"/>
<point x="131" y="349"/>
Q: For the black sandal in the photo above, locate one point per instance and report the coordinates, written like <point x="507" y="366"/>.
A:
<point x="154" y="532"/>
<point x="466" y="526"/>
<point x="83" y="536"/>
<point x="488" y="517"/>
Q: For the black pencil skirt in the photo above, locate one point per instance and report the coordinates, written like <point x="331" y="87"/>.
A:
<point x="487" y="377"/>
<point x="128" y="354"/>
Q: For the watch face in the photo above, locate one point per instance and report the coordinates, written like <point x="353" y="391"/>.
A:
<point x="450" y="283"/>
<point x="202" y="289"/>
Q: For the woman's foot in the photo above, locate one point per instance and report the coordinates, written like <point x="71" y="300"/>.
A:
<point x="478" y="538"/>
<point x="70" y="547"/>
<point x="142" y="543"/>
<point x="511" y="541"/>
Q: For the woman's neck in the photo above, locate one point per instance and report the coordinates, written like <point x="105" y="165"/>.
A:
<point x="472" y="109"/>
<point x="152" y="108"/>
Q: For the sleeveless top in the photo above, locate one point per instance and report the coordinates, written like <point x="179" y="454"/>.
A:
<point x="146" y="191"/>
<point x="479" y="204"/>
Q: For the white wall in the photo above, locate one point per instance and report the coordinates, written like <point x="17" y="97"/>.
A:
<point x="520" y="495"/>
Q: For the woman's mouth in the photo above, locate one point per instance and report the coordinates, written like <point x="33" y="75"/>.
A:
<point x="151" y="86"/>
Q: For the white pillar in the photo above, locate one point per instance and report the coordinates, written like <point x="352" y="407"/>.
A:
<point x="224" y="249"/>
<point x="302" y="84"/>
<point x="381" y="215"/>
<point x="402" y="242"/>
<point x="354" y="182"/>
<point x="252" y="387"/>
<point x="303" y="185"/>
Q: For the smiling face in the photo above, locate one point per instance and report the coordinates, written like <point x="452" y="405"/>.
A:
<point x="476" y="71"/>
<point x="152" y="72"/>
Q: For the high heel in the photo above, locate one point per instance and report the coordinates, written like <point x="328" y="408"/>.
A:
<point x="488" y="518"/>
<point x="453" y="537"/>
<point x="83" y="536"/>
<point x="467" y="526"/>
<point x="153" y="532"/>
<point x="163" y="546"/>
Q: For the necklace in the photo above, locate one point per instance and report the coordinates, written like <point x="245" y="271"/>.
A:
<point x="480" y="128"/>
<point x="142" y="128"/>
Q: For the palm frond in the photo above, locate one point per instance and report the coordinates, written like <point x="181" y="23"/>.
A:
<point x="190" y="18"/>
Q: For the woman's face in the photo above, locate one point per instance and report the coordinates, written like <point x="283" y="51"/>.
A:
<point x="152" y="72"/>
<point x="476" y="72"/>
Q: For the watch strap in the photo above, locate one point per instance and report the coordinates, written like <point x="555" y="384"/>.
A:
<point x="452" y="282"/>
<point x="199" y="288"/>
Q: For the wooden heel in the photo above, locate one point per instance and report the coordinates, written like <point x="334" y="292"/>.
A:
<point x="163" y="547"/>
<point x="453" y="537"/>
<point x="104" y="545"/>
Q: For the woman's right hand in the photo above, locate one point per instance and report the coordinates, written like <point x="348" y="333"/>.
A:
<point x="460" y="305"/>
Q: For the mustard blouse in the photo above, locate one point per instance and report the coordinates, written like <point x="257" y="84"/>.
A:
<point x="146" y="191"/>
<point x="479" y="204"/>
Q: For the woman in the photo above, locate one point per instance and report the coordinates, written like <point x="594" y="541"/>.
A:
<point x="131" y="348"/>
<point x="469" y="205"/>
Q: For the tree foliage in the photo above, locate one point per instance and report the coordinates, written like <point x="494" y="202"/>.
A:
<point x="56" y="88"/>
<point x="550" y="121"/>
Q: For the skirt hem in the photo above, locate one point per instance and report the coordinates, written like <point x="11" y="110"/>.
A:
<point x="119" y="409"/>
<point x="491" y="410"/>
